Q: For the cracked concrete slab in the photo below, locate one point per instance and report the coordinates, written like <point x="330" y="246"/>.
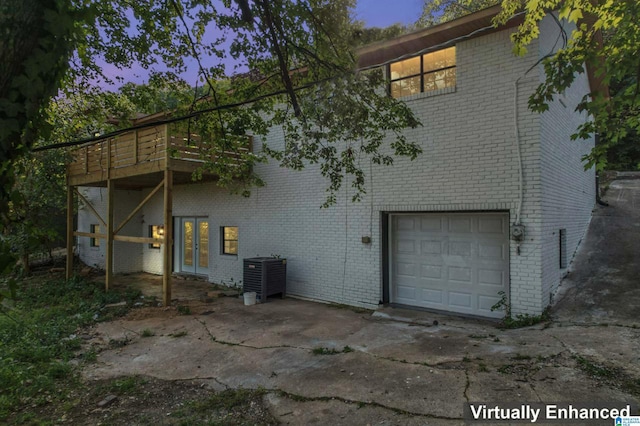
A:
<point x="398" y="366"/>
<point x="396" y="370"/>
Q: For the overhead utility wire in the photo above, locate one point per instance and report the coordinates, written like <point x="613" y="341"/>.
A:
<point x="261" y="97"/>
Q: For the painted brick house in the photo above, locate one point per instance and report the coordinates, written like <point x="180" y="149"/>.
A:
<point x="439" y="228"/>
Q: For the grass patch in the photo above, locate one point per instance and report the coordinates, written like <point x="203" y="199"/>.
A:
<point x="229" y="407"/>
<point x="520" y="357"/>
<point x="613" y="376"/>
<point x="179" y="334"/>
<point x="478" y="336"/>
<point x="147" y="333"/>
<point x="525" y="320"/>
<point x="38" y="339"/>
<point x="184" y="310"/>
<point x="125" y="386"/>
<point x="520" y="320"/>
<point x="331" y="351"/>
<point x="324" y="351"/>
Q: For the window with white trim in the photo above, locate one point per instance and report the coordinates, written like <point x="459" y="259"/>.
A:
<point x="229" y="240"/>
<point x="425" y="73"/>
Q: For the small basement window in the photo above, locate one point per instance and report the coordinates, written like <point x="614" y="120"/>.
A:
<point x="563" y="248"/>
<point x="229" y="240"/>
<point x="425" y="73"/>
<point x="154" y="233"/>
<point x="95" y="229"/>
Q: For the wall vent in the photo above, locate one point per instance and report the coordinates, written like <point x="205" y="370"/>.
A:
<point x="563" y="248"/>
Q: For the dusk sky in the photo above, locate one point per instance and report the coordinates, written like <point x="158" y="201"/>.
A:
<point x="382" y="13"/>
<point x="375" y="13"/>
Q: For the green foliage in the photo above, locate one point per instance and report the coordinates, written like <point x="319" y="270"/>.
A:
<point x="39" y="199"/>
<point x="614" y="376"/>
<point x="147" y="333"/>
<point x="342" y="123"/>
<point x="605" y="38"/>
<point x="38" y="339"/>
<point x="125" y="385"/>
<point x="439" y="11"/>
<point x="184" y="310"/>
<point x="362" y="35"/>
<point x="37" y="41"/>
<point x="520" y="320"/>
<point x="331" y="351"/>
<point x="231" y="406"/>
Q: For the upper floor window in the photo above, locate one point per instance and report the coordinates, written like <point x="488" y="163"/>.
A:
<point x="425" y="73"/>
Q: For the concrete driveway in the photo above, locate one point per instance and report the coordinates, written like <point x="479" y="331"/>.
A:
<point x="605" y="283"/>
<point x="325" y="364"/>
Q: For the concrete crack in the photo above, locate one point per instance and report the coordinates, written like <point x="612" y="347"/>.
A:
<point x="467" y="384"/>
<point x="215" y="379"/>
<point x="533" y="388"/>
<point x="243" y="345"/>
<point x="439" y="366"/>
<point x="301" y="398"/>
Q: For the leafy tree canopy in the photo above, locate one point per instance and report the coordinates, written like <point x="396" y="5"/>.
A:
<point x="329" y="114"/>
<point x="438" y="11"/>
<point x="606" y="38"/>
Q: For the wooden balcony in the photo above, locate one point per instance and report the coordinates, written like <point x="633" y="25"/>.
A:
<point x="138" y="159"/>
<point x="156" y="157"/>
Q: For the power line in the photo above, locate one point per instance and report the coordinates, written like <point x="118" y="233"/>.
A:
<point x="258" y="98"/>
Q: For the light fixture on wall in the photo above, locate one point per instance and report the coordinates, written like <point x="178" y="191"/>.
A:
<point x="161" y="230"/>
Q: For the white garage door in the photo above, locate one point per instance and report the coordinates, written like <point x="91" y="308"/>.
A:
<point x="450" y="261"/>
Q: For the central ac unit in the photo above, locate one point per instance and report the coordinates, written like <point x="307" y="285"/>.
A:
<point x="266" y="276"/>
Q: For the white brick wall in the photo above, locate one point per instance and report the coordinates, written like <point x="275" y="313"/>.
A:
<point x="126" y="256"/>
<point x="569" y="190"/>
<point x="469" y="164"/>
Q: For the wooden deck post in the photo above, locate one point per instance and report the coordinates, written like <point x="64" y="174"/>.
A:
<point x="110" y="200"/>
<point x="69" y="269"/>
<point x="109" y="233"/>
<point x="168" y="237"/>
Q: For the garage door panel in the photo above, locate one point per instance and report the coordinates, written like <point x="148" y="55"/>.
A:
<point x="491" y="277"/>
<point x="492" y="225"/>
<point x="460" y="248"/>
<point x="450" y="261"/>
<point x="406" y="247"/>
<point x="406" y="223"/>
<point x="459" y="275"/>
<point x="431" y="271"/>
<point x="431" y="224"/>
<point x="460" y="300"/>
<point x="431" y="247"/>
<point x="407" y="292"/>
<point x="432" y="296"/>
<point x="492" y="250"/>
<point x="406" y="269"/>
<point x="460" y="225"/>
<point x="486" y="302"/>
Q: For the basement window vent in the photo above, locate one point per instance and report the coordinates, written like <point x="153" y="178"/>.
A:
<point x="563" y="248"/>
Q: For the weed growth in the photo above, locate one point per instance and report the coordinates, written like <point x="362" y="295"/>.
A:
<point x="39" y="338"/>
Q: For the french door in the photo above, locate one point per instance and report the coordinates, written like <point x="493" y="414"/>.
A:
<point x="194" y="241"/>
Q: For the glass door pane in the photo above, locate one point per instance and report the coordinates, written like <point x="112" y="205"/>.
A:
<point x="187" y="245"/>
<point x="203" y="245"/>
